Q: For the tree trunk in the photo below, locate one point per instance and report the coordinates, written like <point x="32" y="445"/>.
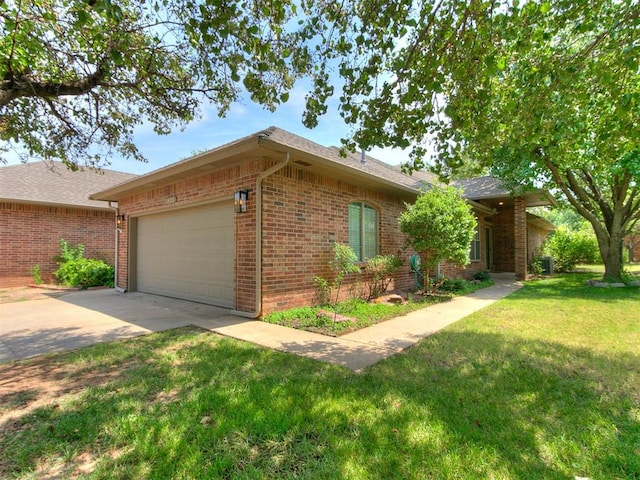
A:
<point x="611" y="250"/>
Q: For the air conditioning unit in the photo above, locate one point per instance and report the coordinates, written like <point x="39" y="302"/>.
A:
<point x="547" y="265"/>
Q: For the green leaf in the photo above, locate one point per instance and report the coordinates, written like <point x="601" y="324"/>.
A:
<point x="82" y="17"/>
<point x="116" y="57"/>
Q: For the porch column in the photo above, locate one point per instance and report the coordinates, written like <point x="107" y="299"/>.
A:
<point x="520" y="237"/>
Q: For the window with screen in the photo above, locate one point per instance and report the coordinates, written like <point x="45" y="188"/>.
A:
<point x="363" y="230"/>
<point x="474" y="248"/>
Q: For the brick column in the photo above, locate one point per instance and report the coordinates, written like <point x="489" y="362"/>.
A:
<point x="520" y="237"/>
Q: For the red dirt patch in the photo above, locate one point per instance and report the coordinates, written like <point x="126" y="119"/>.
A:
<point x="40" y="292"/>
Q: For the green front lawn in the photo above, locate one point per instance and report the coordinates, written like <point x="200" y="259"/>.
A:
<point x="544" y="384"/>
<point x="630" y="268"/>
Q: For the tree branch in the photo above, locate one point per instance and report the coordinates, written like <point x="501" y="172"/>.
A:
<point x="25" y="87"/>
<point x="596" y="194"/>
<point x="416" y="46"/>
<point x="64" y="120"/>
<point x="574" y="198"/>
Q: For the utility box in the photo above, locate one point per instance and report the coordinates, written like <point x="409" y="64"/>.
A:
<point x="547" y="265"/>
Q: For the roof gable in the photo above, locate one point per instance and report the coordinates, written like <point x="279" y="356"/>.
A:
<point x="482" y="187"/>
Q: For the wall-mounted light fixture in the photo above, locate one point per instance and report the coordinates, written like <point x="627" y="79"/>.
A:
<point x="120" y="218"/>
<point x="240" y="201"/>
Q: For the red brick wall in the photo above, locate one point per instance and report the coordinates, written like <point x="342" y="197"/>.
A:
<point x="30" y="235"/>
<point x="303" y="214"/>
<point x="520" y="240"/>
<point x="453" y="270"/>
<point x="535" y="238"/>
<point x="632" y="244"/>
<point x="503" y="240"/>
<point x="123" y="251"/>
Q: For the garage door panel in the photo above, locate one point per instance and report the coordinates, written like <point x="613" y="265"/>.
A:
<point x="188" y="254"/>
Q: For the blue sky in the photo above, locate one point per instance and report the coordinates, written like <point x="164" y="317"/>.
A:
<point x="242" y="119"/>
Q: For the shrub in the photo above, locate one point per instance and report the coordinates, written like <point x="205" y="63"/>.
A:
<point x="482" y="276"/>
<point x="84" y="273"/>
<point x="536" y="267"/>
<point x="69" y="253"/>
<point x="77" y="271"/>
<point x="460" y="286"/>
<point x="344" y="262"/>
<point x="323" y="290"/>
<point x="568" y="248"/>
<point x="454" y="284"/>
<point x="36" y="274"/>
<point x="381" y="269"/>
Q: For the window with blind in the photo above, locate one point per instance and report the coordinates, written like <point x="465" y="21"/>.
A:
<point x="474" y="248"/>
<point x="363" y="230"/>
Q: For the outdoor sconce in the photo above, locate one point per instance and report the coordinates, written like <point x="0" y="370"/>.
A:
<point x="240" y="201"/>
<point x="120" y="219"/>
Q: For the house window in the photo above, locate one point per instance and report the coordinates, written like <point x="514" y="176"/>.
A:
<point x="474" y="248"/>
<point x="363" y="230"/>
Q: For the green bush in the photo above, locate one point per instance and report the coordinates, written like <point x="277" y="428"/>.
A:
<point x="568" y="248"/>
<point x="344" y="262"/>
<point x="84" y="273"/>
<point x="453" y="284"/>
<point x="536" y="266"/>
<point x="323" y="290"/>
<point x="77" y="271"/>
<point x="68" y="252"/>
<point x="482" y="276"/>
<point x="381" y="269"/>
<point x="36" y="274"/>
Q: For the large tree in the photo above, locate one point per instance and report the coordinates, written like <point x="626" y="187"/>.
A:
<point x="77" y="76"/>
<point x="546" y="93"/>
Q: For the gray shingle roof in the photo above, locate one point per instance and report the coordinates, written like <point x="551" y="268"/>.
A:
<point x="482" y="187"/>
<point x="372" y="166"/>
<point x="427" y="178"/>
<point x="53" y="184"/>
<point x="372" y="171"/>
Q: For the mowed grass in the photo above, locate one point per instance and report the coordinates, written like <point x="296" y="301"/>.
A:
<point x="544" y="384"/>
<point x="630" y="268"/>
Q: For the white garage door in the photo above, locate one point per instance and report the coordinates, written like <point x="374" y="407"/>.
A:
<point x="188" y="254"/>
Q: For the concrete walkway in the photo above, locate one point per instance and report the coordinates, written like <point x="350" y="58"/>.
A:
<point x="365" y="347"/>
<point x="80" y="319"/>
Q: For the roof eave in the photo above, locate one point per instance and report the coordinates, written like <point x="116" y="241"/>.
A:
<point x="56" y="204"/>
<point x="540" y="222"/>
<point x="157" y="177"/>
<point x="544" y="198"/>
<point x="480" y="207"/>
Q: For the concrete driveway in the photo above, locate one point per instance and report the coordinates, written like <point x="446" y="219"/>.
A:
<point x="83" y="318"/>
<point x="80" y="319"/>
